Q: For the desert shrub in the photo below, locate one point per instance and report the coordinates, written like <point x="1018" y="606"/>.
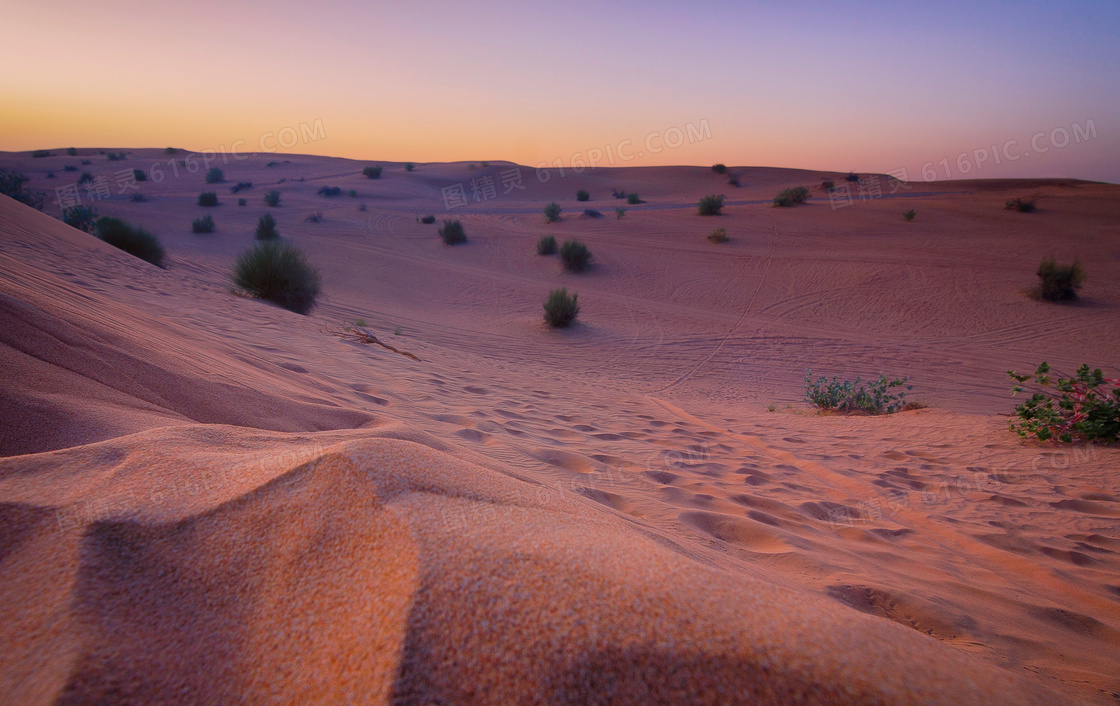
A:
<point x="50" y="175"/>
<point x="710" y="205"/>
<point x="330" y="191"/>
<point x="272" y="198"/>
<point x="633" y="199"/>
<point x="1076" y="408"/>
<point x="116" y="156"/>
<point x="39" y="154"/>
<point x="591" y="213"/>
<point x="314" y="217"/>
<point x="575" y="256"/>
<point x="452" y="233"/>
<point x="208" y="198"/>
<point x="1021" y="205"/>
<point x="203" y="225"/>
<point x="139" y="175"/>
<point x="618" y="194"/>
<point x="85" y="178"/>
<point x="266" y="228"/>
<point x="86" y="162"/>
<point x="561" y="309"/>
<point x="619" y="212"/>
<point x="215" y="176"/>
<point x="409" y="166"/>
<point x="472" y="166"/>
<point x="828" y="185"/>
<point x="791" y="197"/>
<point x="278" y="273"/>
<point x="719" y="235"/>
<point x="13" y="184"/>
<point x="72" y="151"/>
<point x="719" y="168"/>
<point x="546" y="245"/>
<point x="362" y="208"/>
<point x="133" y="240"/>
<point x="372" y="172"/>
<point x="171" y="150"/>
<point x="241" y="186"/>
<point x="733" y="180"/>
<point x="852" y="177"/>
<point x="485" y="165"/>
<point x="552" y="212"/>
<point x="242" y="202"/>
<point x="428" y="220"/>
<point x="583" y="195"/>
<point x="353" y="193"/>
<point x="69" y="168"/>
<point x="80" y="217"/>
<point x="1059" y="282"/>
<point x="850" y="396"/>
<point x="138" y="198"/>
<point x="910" y="215"/>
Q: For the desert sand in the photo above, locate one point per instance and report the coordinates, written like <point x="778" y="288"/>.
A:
<point x="207" y="499"/>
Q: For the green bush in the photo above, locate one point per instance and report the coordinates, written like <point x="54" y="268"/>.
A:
<point x="215" y="176"/>
<point x="719" y="235"/>
<point x="72" y="151"/>
<point x="828" y="185"/>
<point x="242" y="202"/>
<point x="241" y="186"/>
<point x="452" y="232"/>
<point x="428" y="220"/>
<point x="330" y="191"/>
<point x="719" y="168"/>
<point x="353" y="193"/>
<point x="575" y="256"/>
<point x="710" y="205"/>
<point x="139" y="175"/>
<point x="266" y="228"/>
<point x="790" y="197"/>
<point x="583" y="195"/>
<point x="546" y="245"/>
<point x="69" y="168"/>
<point x="552" y="212"/>
<point x="372" y="172"/>
<point x="561" y="309"/>
<point x="138" y="198"/>
<point x="14" y="185"/>
<point x="85" y="178"/>
<point x="171" y="150"/>
<point x="1080" y="407"/>
<point x="39" y="154"/>
<point x="80" y="217"/>
<point x="315" y="217"/>
<point x="633" y="199"/>
<point x="133" y="240"/>
<point x="203" y="225"/>
<point x="852" y="177"/>
<point x="1059" y="282"/>
<point x="910" y="215"/>
<point x="272" y="198"/>
<point x="619" y="212"/>
<point x="116" y="156"/>
<point x="278" y="273"/>
<point x="851" y="397"/>
<point x="733" y="180"/>
<point x="409" y="166"/>
<point x="1020" y="205"/>
<point x="591" y="213"/>
<point x="208" y="198"/>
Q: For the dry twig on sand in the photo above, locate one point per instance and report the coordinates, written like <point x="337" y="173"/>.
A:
<point x="361" y="335"/>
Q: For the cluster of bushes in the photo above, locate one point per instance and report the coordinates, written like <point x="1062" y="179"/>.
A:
<point x="711" y="205"/>
<point x="372" y="172"/>
<point x="208" y="199"/>
<point x="14" y="185"/>
<point x="132" y="239"/>
<point x="828" y="185"/>
<point x="850" y="396"/>
<point x="452" y="233"/>
<point x="215" y="176"/>
<point x="552" y="212"/>
<point x="1080" y="407"/>
<point x="279" y="273"/>
<point x="619" y="212"/>
<point x="733" y="180"/>
<point x="203" y="225"/>
<point x="561" y="308"/>
<point x="791" y="197"/>
<point x="632" y="199"/>
<point x="330" y="191"/>
<point x="85" y="178"/>
<point x="591" y="213"/>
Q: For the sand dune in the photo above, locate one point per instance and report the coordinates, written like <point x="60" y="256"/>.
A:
<point x="207" y="498"/>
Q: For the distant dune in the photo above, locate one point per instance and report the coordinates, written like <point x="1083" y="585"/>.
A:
<point x="205" y="498"/>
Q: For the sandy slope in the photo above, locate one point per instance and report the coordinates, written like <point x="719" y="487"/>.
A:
<point x="206" y="496"/>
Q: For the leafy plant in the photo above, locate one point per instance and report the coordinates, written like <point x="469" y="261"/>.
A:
<point x="719" y="235"/>
<point x="791" y="197"/>
<point x="133" y="240"/>
<point x="710" y="205"/>
<point x="215" y="176"/>
<point x="850" y="396"/>
<point x="203" y="225"/>
<point x="14" y="185"/>
<point x="552" y="212"/>
<point x="583" y="195"/>
<point x="1021" y="205"/>
<point x="279" y="273"/>
<point x="910" y="215"/>
<point x="546" y="245"/>
<point x="633" y="199"/>
<point x="208" y="198"/>
<point x="452" y="232"/>
<point x="272" y="198"/>
<point x="575" y="256"/>
<point x="80" y="217"/>
<point x="372" y="172"/>
<point x="1059" y="282"/>
<point x="266" y="228"/>
<point x="561" y="309"/>
<point x="719" y="168"/>
<point x="1080" y="407"/>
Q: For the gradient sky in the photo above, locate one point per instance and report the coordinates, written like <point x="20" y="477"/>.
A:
<point x="867" y="86"/>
